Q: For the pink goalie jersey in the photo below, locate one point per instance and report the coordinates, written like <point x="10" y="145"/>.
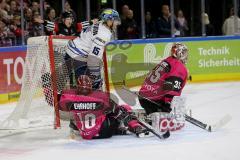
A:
<point x="171" y="71"/>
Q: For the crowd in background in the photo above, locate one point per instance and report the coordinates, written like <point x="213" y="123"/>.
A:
<point x="160" y="27"/>
<point x="10" y="20"/>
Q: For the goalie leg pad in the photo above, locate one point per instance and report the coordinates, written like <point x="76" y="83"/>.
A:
<point x="172" y="121"/>
<point x="165" y="122"/>
<point x="178" y="106"/>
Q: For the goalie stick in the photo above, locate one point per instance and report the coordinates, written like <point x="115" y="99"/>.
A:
<point x="210" y="128"/>
<point x="152" y="130"/>
<point x="146" y="125"/>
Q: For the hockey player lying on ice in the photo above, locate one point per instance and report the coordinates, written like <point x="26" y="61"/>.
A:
<point x="94" y="114"/>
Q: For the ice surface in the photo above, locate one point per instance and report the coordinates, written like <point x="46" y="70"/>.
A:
<point x="208" y="101"/>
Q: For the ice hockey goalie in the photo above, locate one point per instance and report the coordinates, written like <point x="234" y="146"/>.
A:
<point x="162" y="84"/>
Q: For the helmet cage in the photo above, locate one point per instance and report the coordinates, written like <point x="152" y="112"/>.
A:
<point x="180" y="52"/>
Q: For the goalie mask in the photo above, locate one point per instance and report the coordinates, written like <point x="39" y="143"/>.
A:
<point x="84" y="85"/>
<point x="180" y="52"/>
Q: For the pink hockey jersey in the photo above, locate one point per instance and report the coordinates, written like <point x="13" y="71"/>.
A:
<point x="88" y="111"/>
<point x="169" y="70"/>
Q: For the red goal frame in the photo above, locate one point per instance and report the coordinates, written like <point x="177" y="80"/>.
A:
<point x="57" y="123"/>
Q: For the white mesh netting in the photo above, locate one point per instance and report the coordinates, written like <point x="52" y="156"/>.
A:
<point x="36" y="93"/>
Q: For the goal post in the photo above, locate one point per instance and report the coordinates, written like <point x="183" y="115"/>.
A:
<point x="45" y="76"/>
<point x="53" y="76"/>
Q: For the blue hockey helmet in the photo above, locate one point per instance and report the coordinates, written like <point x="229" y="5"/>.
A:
<point x="110" y="14"/>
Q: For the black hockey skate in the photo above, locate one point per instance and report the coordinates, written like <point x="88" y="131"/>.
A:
<point x="142" y="132"/>
<point x="74" y="132"/>
<point x="73" y="126"/>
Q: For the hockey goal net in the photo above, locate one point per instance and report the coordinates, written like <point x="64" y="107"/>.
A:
<point x="45" y="73"/>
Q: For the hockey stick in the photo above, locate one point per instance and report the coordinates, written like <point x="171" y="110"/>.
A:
<point x="211" y="128"/>
<point x="152" y="130"/>
<point x="223" y="121"/>
<point x="146" y="125"/>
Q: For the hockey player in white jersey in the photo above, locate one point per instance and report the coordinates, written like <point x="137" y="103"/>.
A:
<point x="86" y="51"/>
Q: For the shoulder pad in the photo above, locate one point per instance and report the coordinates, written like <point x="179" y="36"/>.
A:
<point x="165" y="66"/>
<point x="95" y="29"/>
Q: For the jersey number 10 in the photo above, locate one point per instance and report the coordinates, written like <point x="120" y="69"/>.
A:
<point x="88" y="120"/>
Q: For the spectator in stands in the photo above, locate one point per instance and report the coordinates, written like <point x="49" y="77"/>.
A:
<point x="123" y="16"/>
<point x="6" y="36"/>
<point x="183" y="25"/>
<point x="67" y="8"/>
<point x="51" y="14"/>
<point x="66" y="27"/>
<point x="16" y="29"/>
<point x="150" y="26"/>
<point x="14" y="8"/>
<point x="209" y="29"/>
<point x="28" y="23"/>
<point x="46" y="5"/>
<point x="26" y="4"/>
<point x="36" y="29"/>
<point x="129" y="28"/>
<point x="125" y="10"/>
<point x="28" y="14"/>
<point x="7" y="7"/>
<point x="229" y="27"/>
<point x="35" y="6"/>
<point x="3" y="13"/>
<point x="164" y="23"/>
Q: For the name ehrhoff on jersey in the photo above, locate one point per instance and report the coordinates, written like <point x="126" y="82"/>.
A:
<point x="81" y="106"/>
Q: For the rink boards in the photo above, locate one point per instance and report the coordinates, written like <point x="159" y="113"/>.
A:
<point x="210" y="59"/>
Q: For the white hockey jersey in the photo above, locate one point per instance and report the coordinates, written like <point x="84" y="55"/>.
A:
<point x="91" y="42"/>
